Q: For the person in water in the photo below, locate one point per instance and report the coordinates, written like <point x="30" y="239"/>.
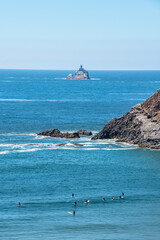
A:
<point x="104" y="199"/>
<point x="122" y="194"/>
<point x="74" y="212"/>
<point x="112" y="198"/>
<point x="19" y="204"/>
<point x="87" y="201"/>
<point x="75" y="203"/>
<point x="119" y="197"/>
<point x="72" y="194"/>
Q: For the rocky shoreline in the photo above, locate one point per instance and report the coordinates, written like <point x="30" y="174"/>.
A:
<point x="141" y="125"/>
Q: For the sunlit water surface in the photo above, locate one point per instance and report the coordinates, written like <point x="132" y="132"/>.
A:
<point x="42" y="175"/>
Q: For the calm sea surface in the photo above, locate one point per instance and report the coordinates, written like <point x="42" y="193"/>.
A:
<point x="43" y="176"/>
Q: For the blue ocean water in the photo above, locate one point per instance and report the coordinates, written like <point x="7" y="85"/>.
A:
<point x="43" y="176"/>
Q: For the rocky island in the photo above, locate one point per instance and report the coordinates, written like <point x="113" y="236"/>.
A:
<point x="80" y="74"/>
<point x="141" y="125"/>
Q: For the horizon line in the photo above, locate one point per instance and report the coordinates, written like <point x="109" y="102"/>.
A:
<point x="38" y="69"/>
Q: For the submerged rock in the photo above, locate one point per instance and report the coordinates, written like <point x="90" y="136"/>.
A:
<point x="61" y="144"/>
<point x="75" y="144"/>
<point x="78" y="144"/>
<point x="80" y="74"/>
<point x="56" y="133"/>
<point x="84" y="132"/>
<point x="141" y="125"/>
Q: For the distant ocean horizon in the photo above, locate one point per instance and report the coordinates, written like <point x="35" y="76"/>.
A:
<point x="74" y="69"/>
<point x="42" y="174"/>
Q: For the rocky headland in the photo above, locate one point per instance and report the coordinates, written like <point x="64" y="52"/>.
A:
<point x="141" y="125"/>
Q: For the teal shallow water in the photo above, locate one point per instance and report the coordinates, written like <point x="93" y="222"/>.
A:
<point x="42" y="175"/>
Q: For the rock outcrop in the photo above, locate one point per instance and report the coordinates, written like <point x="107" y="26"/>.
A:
<point x="84" y="132"/>
<point x="56" y="133"/>
<point x="80" y="74"/>
<point x="141" y="125"/>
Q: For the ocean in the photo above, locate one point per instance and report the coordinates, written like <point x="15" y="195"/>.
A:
<point x="43" y="176"/>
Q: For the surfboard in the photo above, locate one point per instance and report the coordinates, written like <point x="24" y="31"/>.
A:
<point x="70" y="212"/>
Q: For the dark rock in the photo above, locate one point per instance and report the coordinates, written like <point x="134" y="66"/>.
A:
<point x="51" y="133"/>
<point x="78" y="144"/>
<point x="141" y="125"/>
<point x="75" y="144"/>
<point x="56" y="133"/>
<point x="84" y="132"/>
<point x="61" y="144"/>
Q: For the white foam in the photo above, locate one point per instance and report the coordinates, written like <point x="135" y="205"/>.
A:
<point x="119" y="149"/>
<point x="90" y="149"/>
<point x="88" y="143"/>
<point x="6" y="145"/>
<point x="41" y="147"/>
<point x="27" y="150"/>
<point x="4" y="152"/>
<point x="18" y="134"/>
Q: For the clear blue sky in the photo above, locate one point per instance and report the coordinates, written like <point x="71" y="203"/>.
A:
<point x="61" y="34"/>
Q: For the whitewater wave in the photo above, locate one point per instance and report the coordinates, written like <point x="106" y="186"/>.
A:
<point x="18" y="134"/>
<point x="78" y="79"/>
<point x="4" y="152"/>
<point x="39" y="143"/>
<point x="32" y="147"/>
<point x="27" y="150"/>
<point x="119" y="149"/>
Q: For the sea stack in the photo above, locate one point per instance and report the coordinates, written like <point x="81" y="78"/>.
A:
<point x="141" y="125"/>
<point x="80" y="74"/>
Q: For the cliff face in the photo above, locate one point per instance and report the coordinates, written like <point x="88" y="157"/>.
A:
<point x="141" y="125"/>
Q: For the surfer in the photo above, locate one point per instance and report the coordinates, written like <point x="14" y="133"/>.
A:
<point x="87" y="201"/>
<point x="19" y="204"/>
<point x="112" y="198"/>
<point x="103" y="199"/>
<point x="72" y="213"/>
<point x="119" y="197"/>
<point x="122" y="194"/>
